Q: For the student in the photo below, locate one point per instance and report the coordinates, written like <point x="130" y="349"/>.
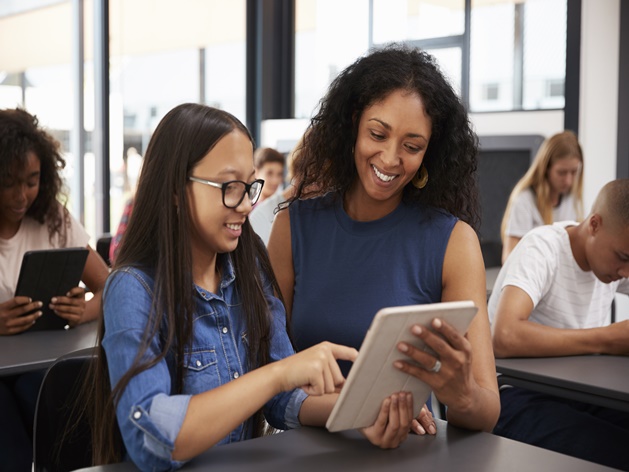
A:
<point x="269" y="164"/>
<point x="381" y="217"/>
<point x="553" y="298"/>
<point x="194" y="345"/>
<point x="262" y="216"/>
<point x="133" y="163"/>
<point x="32" y="218"/>
<point x="122" y="227"/>
<point x="551" y="190"/>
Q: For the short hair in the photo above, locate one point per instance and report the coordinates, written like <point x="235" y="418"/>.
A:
<point x="265" y="155"/>
<point x="612" y="203"/>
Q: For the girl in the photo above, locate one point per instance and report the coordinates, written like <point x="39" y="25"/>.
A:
<point x="194" y="350"/>
<point x="32" y="218"/>
<point x="551" y="190"/>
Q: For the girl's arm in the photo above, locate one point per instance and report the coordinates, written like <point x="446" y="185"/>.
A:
<point x="213" y="414"/>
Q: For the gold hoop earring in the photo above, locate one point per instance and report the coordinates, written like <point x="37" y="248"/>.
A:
<point x="421" y="178"/>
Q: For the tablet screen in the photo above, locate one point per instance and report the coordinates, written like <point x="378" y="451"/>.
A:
<point x="48" y="273"/>
<point x="373" y="376"/>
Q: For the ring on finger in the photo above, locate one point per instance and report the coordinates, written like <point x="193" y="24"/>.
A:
<point x="437" y="367"/>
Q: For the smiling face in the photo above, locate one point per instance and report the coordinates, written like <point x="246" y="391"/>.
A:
<point x="215" y="229"/>
<point x="393" y="135"/>
<point x="17" y="194"/>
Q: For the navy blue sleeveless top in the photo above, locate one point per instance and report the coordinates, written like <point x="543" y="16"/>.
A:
<point x="346" y="270"/>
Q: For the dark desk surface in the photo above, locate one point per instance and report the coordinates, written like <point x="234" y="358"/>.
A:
<point x="314" y="449"/>
<point x="39" y="349"/>
<point x="600" y="380"/>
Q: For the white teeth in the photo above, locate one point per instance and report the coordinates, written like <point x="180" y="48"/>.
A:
<point x="381" y="176"/>
<point x="233" y="227"/>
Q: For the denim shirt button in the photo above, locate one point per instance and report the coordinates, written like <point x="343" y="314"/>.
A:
<point x="225" y="330"/>
<point x="137" y="415"/>
<point x="198" y="363"/>
<point x="236" y="375"/>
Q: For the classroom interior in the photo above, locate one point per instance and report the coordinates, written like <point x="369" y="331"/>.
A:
<point x="100" y="74"/>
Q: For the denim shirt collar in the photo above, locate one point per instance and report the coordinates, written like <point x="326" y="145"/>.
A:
<point x="227" y="279"/>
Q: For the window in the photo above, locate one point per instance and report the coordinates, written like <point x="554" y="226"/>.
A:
<point x="37" y="76"/>
<point x="509" y="50"/>
<point x="491" y="92"/>
<point x="410" y="20"/>
<point x="188" y="52"/>
<point x="329" y="35"/>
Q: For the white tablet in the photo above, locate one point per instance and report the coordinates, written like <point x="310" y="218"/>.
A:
<point x="373" y="377"/>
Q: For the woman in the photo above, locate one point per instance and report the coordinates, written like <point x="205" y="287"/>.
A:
<point x="382" y="216"/>
<point x="194" y="350"/>
<point x="551" y="190"/>
<point x="32" y="218"/>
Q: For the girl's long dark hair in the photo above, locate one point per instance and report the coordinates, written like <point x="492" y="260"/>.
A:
<point x="157" y="239"/>
<point x="326" y="158"/>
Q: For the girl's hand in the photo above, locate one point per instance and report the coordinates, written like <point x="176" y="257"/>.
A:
<point x="393" y="423"/>
<point x="315" y="369"/>
<point x="424" y="423"/>
<point x="451" y="377"/>
<point x="12" y="315"/>
<point x="70" y="307"/>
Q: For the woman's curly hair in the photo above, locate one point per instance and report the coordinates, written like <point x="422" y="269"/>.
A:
<point x="326" y="158"/>
<point x="20" y="134"/>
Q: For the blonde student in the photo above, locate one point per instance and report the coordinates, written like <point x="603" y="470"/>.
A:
<point x="194" y="350"/>
<point x="551" y="190"/>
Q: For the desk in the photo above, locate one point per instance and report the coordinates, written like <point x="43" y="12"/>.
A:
<point x="39" y="349"/>
<point x="491" y="274"/>
<point x="314" y="449"/>
<point x="599" y="380"/>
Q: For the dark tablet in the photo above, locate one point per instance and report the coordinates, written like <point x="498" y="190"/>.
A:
<point x="50" y="273"/>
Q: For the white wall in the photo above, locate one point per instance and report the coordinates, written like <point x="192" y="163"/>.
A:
<point x="598" y="117"/>
<point x="545" y="123"/>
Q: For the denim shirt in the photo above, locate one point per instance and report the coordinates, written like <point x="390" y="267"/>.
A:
<point x="149" y="414"/>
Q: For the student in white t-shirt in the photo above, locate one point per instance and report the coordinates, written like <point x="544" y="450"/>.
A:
<point x="551" y="190"/>
<point x="31" y="218"/>
<point x="553" y="297"/>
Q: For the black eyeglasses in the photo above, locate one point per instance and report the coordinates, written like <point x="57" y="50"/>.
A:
<point x="234" y="191"/>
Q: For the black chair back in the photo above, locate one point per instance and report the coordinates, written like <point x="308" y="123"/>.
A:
<point x="60" y="443"/>
<point x="102" y="247"/>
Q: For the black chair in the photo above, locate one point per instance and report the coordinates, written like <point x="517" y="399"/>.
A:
<point x="60" y="443"/>
<point x="102" y="247"/>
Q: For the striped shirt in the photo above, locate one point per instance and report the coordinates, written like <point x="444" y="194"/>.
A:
<point x="563" y="295"/>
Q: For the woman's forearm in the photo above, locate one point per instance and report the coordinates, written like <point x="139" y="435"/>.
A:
<point x="481" y="412"/>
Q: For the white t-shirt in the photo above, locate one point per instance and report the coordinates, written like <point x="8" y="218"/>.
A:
<point x="31" y="236"/>
<point x="525" y="216"/>
<point x="262" y="216"/>
<point x="563" y="295"/>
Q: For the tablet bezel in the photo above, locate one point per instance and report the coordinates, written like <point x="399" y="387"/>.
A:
<point x="373" y="377"/>
<point x="47" y="273"/>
